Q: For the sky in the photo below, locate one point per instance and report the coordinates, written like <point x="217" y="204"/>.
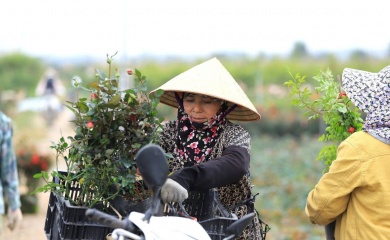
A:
<point x="93" y="28"/>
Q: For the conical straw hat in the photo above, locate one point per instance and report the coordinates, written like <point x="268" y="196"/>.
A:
<point x="212" y="79"/>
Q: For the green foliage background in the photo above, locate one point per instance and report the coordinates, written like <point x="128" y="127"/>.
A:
<point x="20" y="72"/>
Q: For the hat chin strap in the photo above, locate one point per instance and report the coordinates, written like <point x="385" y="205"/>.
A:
<point x="230" y="109"/>
<point x="180" y="102"/>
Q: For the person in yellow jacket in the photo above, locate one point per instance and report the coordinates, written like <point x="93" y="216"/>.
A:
<point x="356" y="191"/>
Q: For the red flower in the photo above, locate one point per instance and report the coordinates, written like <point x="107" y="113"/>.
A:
<point x="89" y="125"/>
<point x="130" y="72"/>
<point x="35" y="159"/>
<point x="341" y="95"/>
<point x="351" y="130"/>
<point x="44" y="166"/>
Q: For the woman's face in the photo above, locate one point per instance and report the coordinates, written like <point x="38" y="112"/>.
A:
<point x="200" y="108"/>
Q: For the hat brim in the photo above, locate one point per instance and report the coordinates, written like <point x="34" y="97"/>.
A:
<point x="240" y="113"/>
<point x="212" y="79"/>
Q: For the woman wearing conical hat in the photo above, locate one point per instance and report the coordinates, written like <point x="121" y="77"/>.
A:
<point x="209" y="151"/>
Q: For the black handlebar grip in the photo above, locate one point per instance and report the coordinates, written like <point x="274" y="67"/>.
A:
<point x="109" y="220"/>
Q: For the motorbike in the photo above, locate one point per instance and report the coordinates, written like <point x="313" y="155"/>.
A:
<point x="152" y="224"/>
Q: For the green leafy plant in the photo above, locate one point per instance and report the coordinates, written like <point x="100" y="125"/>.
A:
<point x="328" y="101"/>
<point x="110" y="127"/>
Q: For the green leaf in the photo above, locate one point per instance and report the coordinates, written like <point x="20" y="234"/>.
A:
<point x="137" y="73"/>
<point x="136" y="145"/>
<point x="100" y="75"/>
<point x="83" y="108"/>
<point x="342" y="109"/>
<point x="158" y="93"/>
<point x="125" y="162"/>
<point x="94" y="85"/>
<point x="114" y="101"/>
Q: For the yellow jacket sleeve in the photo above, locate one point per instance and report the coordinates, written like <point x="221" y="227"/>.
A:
<point x="330" y="196"/>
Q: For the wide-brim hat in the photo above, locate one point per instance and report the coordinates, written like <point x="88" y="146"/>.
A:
<point x="368" y="91"/>
<point x="212" y="79"/>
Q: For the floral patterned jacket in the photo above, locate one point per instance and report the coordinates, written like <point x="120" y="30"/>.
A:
<point x="227" y="170"/>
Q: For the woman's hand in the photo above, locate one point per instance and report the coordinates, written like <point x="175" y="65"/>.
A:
<point x="14" y="218"/>
<point x="173" y="192"/>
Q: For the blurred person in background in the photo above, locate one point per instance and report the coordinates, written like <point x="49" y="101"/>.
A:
<point x="209" y="151"/>
<point x="355" y="192"/>
<point x="51" y="90"/>
<point x="9" y="187"/>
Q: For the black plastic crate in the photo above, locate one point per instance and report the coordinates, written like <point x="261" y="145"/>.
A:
<point x="216" y="227"/>
<point x="208" y="211"/>
<point x="67" y="222"/>
<point x="201" y="205"/>
<point x="51" y="228"/>
<point x="70" y="222"/>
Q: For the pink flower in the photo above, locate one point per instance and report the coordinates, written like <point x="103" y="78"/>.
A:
<point x="130" y="72"/>
<point x="93" y="96"/>
<point x="193" y="145"/>
<point x="89" y="125"/>
<point x="199" y="159"/>
<point x="208" y="151"/>
<point x="191" y="135"/>
<point x="181" y="153"/>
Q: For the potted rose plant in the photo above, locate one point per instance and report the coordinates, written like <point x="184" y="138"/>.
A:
<point x="330" y="103"/>
<point x="111" y="125"/>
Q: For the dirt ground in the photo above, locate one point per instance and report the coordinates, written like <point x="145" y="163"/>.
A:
<point x="32" y="225"/>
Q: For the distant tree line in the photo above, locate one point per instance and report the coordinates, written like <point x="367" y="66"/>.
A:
<point x="20" y="72"/>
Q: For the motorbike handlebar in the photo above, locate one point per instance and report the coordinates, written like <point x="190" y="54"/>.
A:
<point x="109" y="220"/>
